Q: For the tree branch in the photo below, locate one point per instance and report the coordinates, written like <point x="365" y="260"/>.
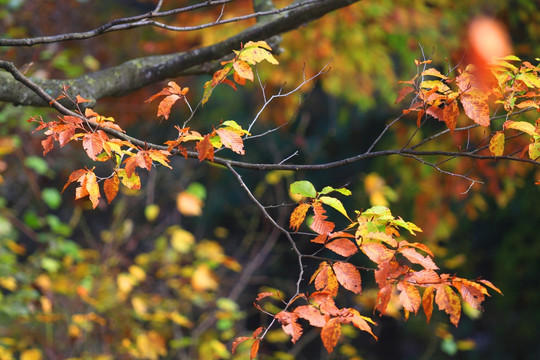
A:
<point x="135" y="74"/>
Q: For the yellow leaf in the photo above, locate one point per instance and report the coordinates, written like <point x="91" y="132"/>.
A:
<point x="204" y="279"/>
<point x="496" y="144"/>
<point x="125" y="283"/>
<point x="31" y="354"/>
<point x="137" y="272"/>
<point x="139" y="305"/>
<point x="182" y="240"/>
<point x="9" y="283"/>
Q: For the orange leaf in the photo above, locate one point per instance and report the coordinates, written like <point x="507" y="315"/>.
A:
<point x="343" y="247"/>
<point x="205" y="149"/>
<point x="231" y="140"/>
<point x="427" y="302"/>
<point x="80" y="99"/>
<point x="330" y="334"/>
<point x="93" y="143"/>
<point x="422" y="277"/>
<point x="110" y="186"/>
<point x="257" y="332"/>
<point x="263" y="295"/>
<point x="348" y="276"/>
<point x="325" y="302"/>
<point x="320" y="225"/>
<point x="490" y="284"/>
<point x="243" y="69"/>
<point x="415" y="257"/>
<point x="298" y="216"/>
<point x="448" y="301"/>
<point x="383" y="297"/>
<point x="92" y="188"/>
<point x="311" y="314"/>
<point x="409" y="296"/>
<point x="496" y="144"/>
<point x="254" y="349"/>
<point x="450" y="115"/>
<point x="377" y="252"/>
<point x="239" y="80"/>
<point x="471" y="292"/>
<point x="238" y="341"/>
<point x="476" y="107"/>
<point x="48" y="144"/>
<point x="75" y="176"/>
<point x="289" y="324"/>
<point x="164" y="107"/>
<point x="322" y="266"/>
<point x="354" y="317"/>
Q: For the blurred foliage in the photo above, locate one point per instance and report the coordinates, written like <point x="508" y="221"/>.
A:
<point x="143" y="278"/>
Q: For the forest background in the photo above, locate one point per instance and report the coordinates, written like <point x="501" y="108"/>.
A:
<point x="172" y="270"/>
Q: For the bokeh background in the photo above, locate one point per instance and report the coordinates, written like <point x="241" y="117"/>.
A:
<point x="171" y="271"/>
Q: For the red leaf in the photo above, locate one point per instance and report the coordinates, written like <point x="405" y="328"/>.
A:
<point x="298" y="216"/>
<point x="289" y="324"/>
<point x="348" y="276"/>
<point x="343" y="247"/>
<point x="404" y="92"/>
<point x="409" y="296"/>
<point x="311" y="314"/>
<point x="330" y="334"/>
<point x="231" y="140"/>
<point x="205" y="149"/>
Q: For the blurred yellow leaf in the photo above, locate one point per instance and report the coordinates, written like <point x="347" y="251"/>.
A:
<point x="125" y="283"/>
<point x="151" y="345"/>
<point x="31" y="354"/>
<point x="181" y="320"/>
<point x="182" y="240"/>
<point x="16" y="248"/>
<point x="203" y="278"/>
<point x="139" y="305"/>
<point x="137" y="272"/>
<point x="74" y="331"/>
<point x="46" y="304"/>
<point x="9" y="283"/>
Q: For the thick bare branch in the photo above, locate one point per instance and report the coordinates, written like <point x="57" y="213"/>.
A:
<point x="137" y="73"/>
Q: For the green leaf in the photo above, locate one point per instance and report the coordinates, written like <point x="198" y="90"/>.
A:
<point x="406" y="225"/>
<point x="329" y="189"/>
<point x="304" y="188"/>
<point x="37" y="164"/>
<point x="335" y="203"/>
<point x="378" y="211"/>
<point x="51" y="197"/>
<point x="197" y="189"/>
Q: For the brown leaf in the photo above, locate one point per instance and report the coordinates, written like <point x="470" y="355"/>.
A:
<point x="298" y="216"/>
<point x="311" y="314"/>
<point x="289" y="324"/>
<point x="330" y="334"/>
<point x="343" y="247"/>
<point x="205" y="149"/>
<point x="348" y="276"/>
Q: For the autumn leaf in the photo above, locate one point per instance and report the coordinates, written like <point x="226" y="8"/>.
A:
<point x="254" y="349"/>
<point x="359" y="321"/>
<point x="141" y="159"/>
<point x="476" y="107"/>
<point x="231" y="140"/>
<point x="298" y="216"/>
<point x="93" y="143"/>
<point x="409" y="296"/>
<point x="415" y="257"/>
<point x="92" y="188"/>
<point x="448" y="301"/>
<point x="335" y="203"/>
<point x="205" y="149"/>
<point x="427" y="302"/>
<point x="110" y="186"/>
<point x="263" y="295"/>
<point x="521" y="126"/>
<point x="377" y="252"/>
<point x="75" y="176"/>
<point x="254" y="53"/>
<point x="326" y="281"/>
<point x="289" y="324"/>
<point x="422" y="277"/>
<point x="343" y="247"/>
<point x="243" y="69"/>
<point x="496" y="144"/>
<point x="311" y="314"/>
<point x="450" y="114"/>
<point x="325" y="302"/>
<point x="320" y="225"/>
<point x="348" y="276"/>
<point x="490" y="284"/>
<point x="472" y="293"/>
<point x="238" y="341"/>
<point x="172" y="94"/>
<point x="330" y="334"/>
<point x="383" y="298"/>
<point x="403" y="92"/>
